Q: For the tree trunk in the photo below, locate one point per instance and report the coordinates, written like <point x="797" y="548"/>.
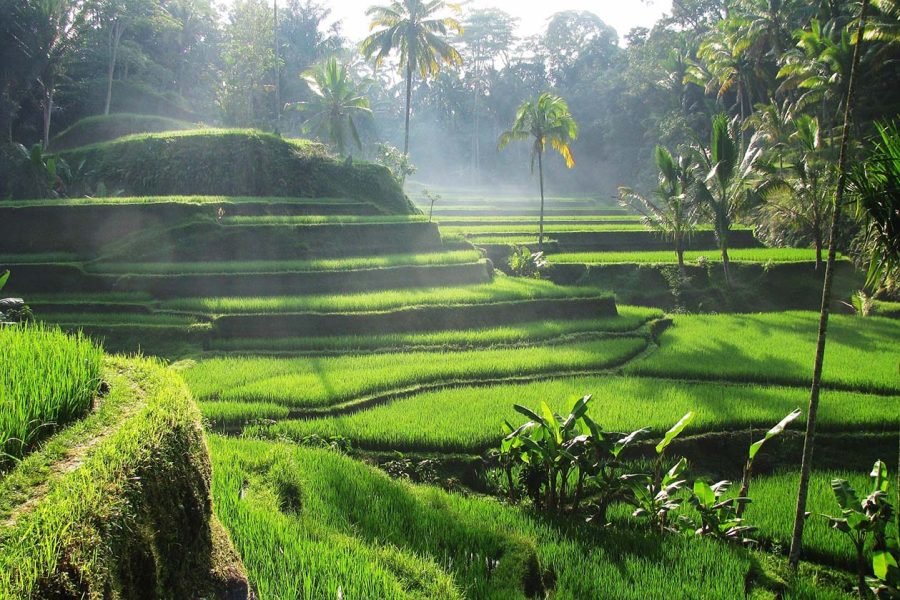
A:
<point x="541" y="221"/>
<point x="679" y="252"/>
<point x="818" y="244"/>
<point x="48" y="115"/>
<point x="115" y="36"/>
<point x="862" y="587"/>
<point x="809" y="440"/>
<point x="409" y="75"/>
<point x="277" y="71"/>
<point x="723" y="244"/>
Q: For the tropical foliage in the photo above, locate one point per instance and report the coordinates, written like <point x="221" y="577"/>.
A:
<point x="338" y="103"/>
<point x="416" y="30"/>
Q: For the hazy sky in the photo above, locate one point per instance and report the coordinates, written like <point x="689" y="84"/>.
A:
<point x="622" y="15"/>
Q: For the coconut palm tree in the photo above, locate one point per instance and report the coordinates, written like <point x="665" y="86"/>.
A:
<point x="671" y="213"/>
<point x="875" y="186"/>
<point x="825" y="310"/>
<point x="336" y="101"/>
<point x="797" y="193"/>
<point x="415" y="29"/>
<point x="724" y="179"/>
<point x="546" y="120"/>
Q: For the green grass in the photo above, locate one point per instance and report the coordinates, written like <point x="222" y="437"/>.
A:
<point x="470" y="418"/>
<point x="323" y="219"/>
<point x="774" y="504"/>
<point x="37" y="258"/>
<point x="313" y="523"/>
<point x="107" y="127"/>
<point x="47" y="379"/>
<point x="215" y="162"/>
<point x="778" y="348"/>
<point x="173" y="199"/>
<point x="318" y="382"/>
<point x="125" y="477"/>
<point x="269" y="266"/>
<point x="512" y="239"/>
<point x="882" y="308"/>
<point x="520" y="220"/>
<point x="107" y="319"/>
<point x="630" y="318"/>
<point x="70" y="298"/>
<point x="761" y="255"/>
<point x="477" y="230"/>
<point x="502" y="289"/>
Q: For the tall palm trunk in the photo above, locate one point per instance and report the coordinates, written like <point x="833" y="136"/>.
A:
<point x="409" y="76"/>
<point x="115" y="36"/>
<point x="47" y="106"/>
<point x="809" y="440"/>
<point x="541" y="220"/>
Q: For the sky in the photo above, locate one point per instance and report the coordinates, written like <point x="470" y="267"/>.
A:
<point x="622" y="15"/>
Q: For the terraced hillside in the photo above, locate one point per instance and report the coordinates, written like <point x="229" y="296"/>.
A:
<point x="356" y="370"/>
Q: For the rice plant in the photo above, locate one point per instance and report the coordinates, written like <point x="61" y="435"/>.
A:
<point x="470" y="419"/>
<point x="778" y="348"/>
<point x="313" y="523"/>
<point x="278" y="266"/>
<point x="47" y="379"/>
<point x="502" y="289"/>
<point x="755" y="255"/>
<point x="630" y="318"/>
<point x="317" y="381"/>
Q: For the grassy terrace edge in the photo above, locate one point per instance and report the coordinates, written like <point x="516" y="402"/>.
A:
<point x="128" y="483"/>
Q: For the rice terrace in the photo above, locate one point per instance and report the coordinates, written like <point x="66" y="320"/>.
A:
<point x="410" y="299"/>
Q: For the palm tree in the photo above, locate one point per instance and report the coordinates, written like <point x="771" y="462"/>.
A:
<point x="825" y="309"/>
<point x="337" y="100"/>
<point x="724" y="179"/>
<point x="885" y="23"/>
<point x="57" y="42"/>
<point x="414" y="29"/>
<point x="672" y="214"/>
<point x="875" y="185"/>
<point x="546" y="120"/>
<point x="797" y="195"/>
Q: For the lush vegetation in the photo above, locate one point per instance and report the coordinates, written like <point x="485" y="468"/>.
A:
<point x="471" y="418"/>
<point x="340" y="525"/>
<point x="502" y="289"/>
<point x="140" y="458"/>
<point x="776" y="348"/>
<point x="102" y="128"/>
<point x="47" y="380"/>
<point x="630" y="318"/>
<point x="756" y="255"/>
<point x="315" y="381"/>
<point x="268" y="266"/>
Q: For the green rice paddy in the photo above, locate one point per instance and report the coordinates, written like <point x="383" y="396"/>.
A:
<point x="324" y="381"/>
<point x="630" y="318"/>
<point x="778" y="348"/>
<point x="502" y="289"/>
<point x="470" y="419"/>
<point x="341" y="528"/>
<point x="47" y="379"/>
<point x="758" y="255"/>
<point x="270" y="266"/>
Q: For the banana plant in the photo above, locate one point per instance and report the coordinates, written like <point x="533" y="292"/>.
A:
<point x="655" y="496"/>
<point x="544" y="445"/>
<point x="754" y="450"/>
<point x="862" y="519"/>
<point x="716" y="517"/>
<point x="601" y="466"/>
